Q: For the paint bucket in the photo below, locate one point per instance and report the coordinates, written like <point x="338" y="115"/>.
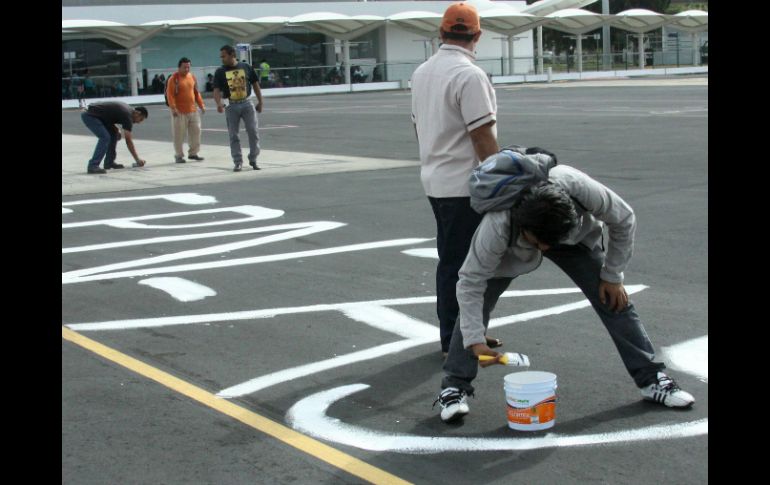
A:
<point x="531" y="400"/>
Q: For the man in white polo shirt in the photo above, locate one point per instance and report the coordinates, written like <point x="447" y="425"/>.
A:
<point x="454" y="113"/>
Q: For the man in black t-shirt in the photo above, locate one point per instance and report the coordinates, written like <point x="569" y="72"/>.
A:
<point x="235" y="81"/>
<point x="101" y="119"/>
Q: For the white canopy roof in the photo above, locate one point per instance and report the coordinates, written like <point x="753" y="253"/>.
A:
<point x="691" y="21"/>
<point x="508" y="21"/>
<point x="504" y="20"/>
<point x="639" y="20"/>
<point x="337" y="25"/>
<point x="576" y="20"/>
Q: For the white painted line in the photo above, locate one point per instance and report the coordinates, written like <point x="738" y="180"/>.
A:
<point x="269" y="127"/>
<point x="691" y="357"/>
<point x="180" y="288"/>
<point x="66" y="211"/>
<point x="286" y="375"/>
<point x="252" y="213"/>
<point x="309" y="416"/>
<point x="422" y="252"/>
<point x="188" y="198"/>
<point x="317" y="226"/>
<point x="272" y="312"/>
<point x="72" y="276"/>
<point x="498" y="322"/>
<point x="390" y="320"/>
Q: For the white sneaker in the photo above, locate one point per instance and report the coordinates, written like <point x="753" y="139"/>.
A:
<point x="454" y="404"/>
<point x="665" y="391"/>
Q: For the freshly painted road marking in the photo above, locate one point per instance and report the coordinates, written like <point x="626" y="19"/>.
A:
<point x="80" y="276"/>
<point x="187" y="198"/>
<point x="422" y="252"/>
<point x="179" y="288"/>
<point x="309" y="416"/>
<point x="269" y="127"/>
<point x="691" y="357"/>
<point x="313" y="227"/>
<point x="252" y="213"/>
<point x="323" y="452"/>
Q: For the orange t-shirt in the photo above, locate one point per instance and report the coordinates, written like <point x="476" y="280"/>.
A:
<point x="185" y="100"/>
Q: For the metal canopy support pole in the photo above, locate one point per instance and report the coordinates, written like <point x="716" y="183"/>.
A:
<point x="510" y="55"/>
<point x="540" y="49"/>
<point x="696" y="48"/>
<point x="641" y="51"/>
<point x="434" y="45"/>
<point x="346" y="60"/>
<point x="133" y="54"/>
<point x="579" y="51"/>
<point x="606" y="47"/>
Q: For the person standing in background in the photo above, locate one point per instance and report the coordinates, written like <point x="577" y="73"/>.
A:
<point x="183" y="96"/>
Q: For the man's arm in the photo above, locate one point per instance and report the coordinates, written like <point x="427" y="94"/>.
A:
<point x="484" y="141"/>
<point x="170" y="96"/>
<point x="130" y="144"/>
<point x="258" y="94"/>
<point x="218" y="100"/>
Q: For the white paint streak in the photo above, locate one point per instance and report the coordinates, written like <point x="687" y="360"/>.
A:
<point x="309" y="416"/>
<point x="252" y="213"/>
<point x="317" y="226"/>
<point x="271" y="312"/>
<point x="373" y="313"/>
<point x="691" y="357"/>
<point x="180" y="288"/>
<point x="521" y="317"/>
<point x="286" y="375"/>
<point x="389" y="320"/>
<point x="187" y="198"/>
<point x="422" y="252"/>
<point x="75" y="276"/>
<point x="66" y="211"/>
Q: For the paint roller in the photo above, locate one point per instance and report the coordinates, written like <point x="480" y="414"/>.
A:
<point x="514" y="359"/>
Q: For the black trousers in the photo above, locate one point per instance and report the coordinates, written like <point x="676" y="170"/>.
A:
<point x="456" y="223"/>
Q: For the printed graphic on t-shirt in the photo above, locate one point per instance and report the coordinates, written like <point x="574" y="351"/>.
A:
<point x="236" y="81"/>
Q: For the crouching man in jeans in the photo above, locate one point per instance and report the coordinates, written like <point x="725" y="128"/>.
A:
<point x="563" y="220"/>
<point x="101" y="119"/>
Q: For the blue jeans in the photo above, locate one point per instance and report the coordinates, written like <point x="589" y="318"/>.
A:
<point x="583" y="267"/>
<point x="456" y="223"/>
<point x="234" y="112"/>
<point x="108" y="141"/>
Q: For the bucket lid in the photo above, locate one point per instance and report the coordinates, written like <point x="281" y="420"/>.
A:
<point x="529" y="377"/>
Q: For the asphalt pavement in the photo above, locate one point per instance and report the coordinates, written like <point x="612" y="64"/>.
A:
<point x="208" y="316"/>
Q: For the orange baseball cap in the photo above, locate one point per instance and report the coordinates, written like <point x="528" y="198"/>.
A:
<point x="461" y="14"/>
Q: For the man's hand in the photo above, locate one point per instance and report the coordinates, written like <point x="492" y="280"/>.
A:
<point x="220" y="109"/>
<point x="482" y="349"/>
<point x="258" y="107"/>
<point x="174" y="112"/>
<point x="616" y="293"/>
<point x="203" y="109"/>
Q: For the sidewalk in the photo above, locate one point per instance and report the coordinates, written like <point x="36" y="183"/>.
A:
<point x="161" y="171"/>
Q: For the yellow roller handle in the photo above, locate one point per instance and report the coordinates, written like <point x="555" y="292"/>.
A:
<point x="503" y="358"/>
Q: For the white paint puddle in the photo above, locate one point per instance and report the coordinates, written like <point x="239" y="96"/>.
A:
<point x="422" y="252"/>
<point x="179" y="288"/>
<point x="691" y="357"/>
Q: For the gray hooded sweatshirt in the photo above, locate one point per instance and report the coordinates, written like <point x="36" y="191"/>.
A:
<point x="491" y="256"/>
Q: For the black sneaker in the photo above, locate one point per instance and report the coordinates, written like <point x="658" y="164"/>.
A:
<point x="114" y="165"/>
<point x="179" y="160"/>
<point x="237" y="167"/>
<point x="665" y="391"/>
<point x="254" y="165"/>
<point x="97" y="170"/>
<point x="454" y="404"/>
<point x="195" y="157"/>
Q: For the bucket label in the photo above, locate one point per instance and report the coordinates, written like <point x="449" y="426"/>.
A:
<point x="540" y="413"/>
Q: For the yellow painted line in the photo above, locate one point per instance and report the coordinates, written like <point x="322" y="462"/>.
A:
<point x="323" y="452"/>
